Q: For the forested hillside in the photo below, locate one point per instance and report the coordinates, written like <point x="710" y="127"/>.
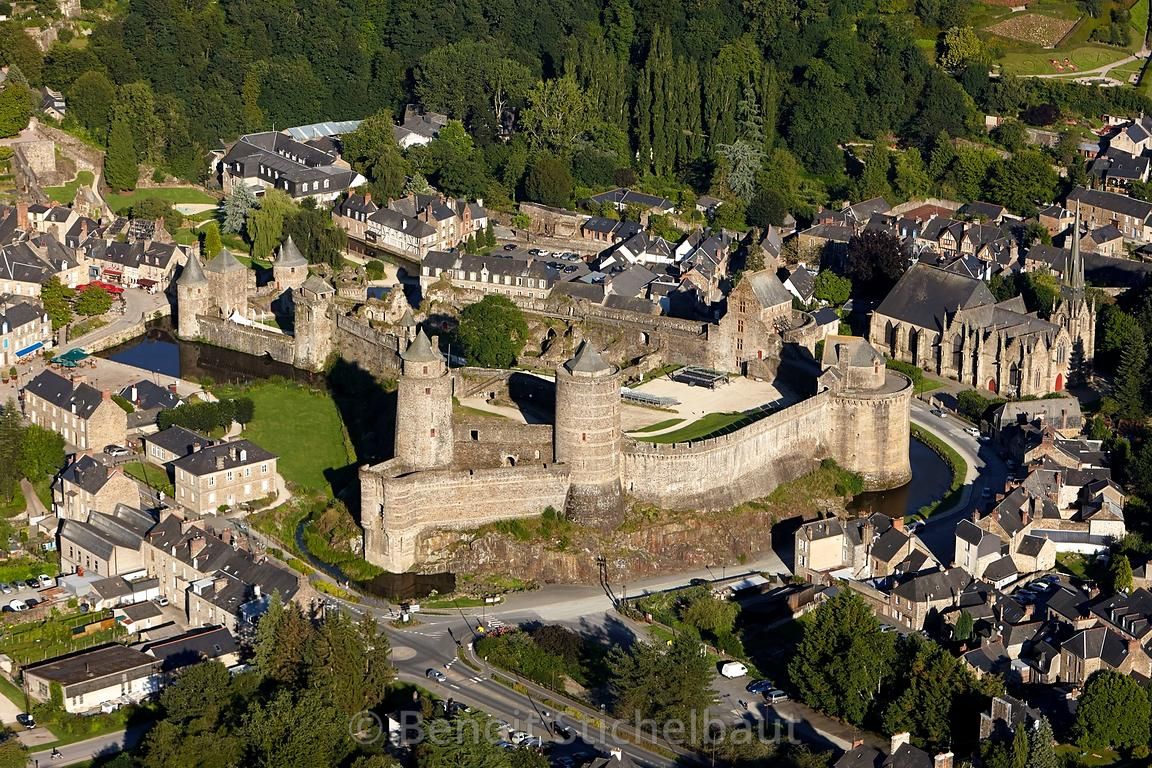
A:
<point x="747" y="99"/>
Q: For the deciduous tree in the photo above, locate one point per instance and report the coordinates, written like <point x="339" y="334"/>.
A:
<point x="493" y="332"/>
<point x="1113" y="712"/>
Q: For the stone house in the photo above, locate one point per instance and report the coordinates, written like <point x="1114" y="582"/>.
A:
<point x="759" y="307"/>
<point x="411" y="226"/>
<point x="600" y="229"/>
<point x="1055" y="219"/>
<point x="213" y="581"/>
<point x="298" y="165"/>
<point x="1092" y="650"/>
<point x="166" y="446"/>
<point x="28" y="264"/>
<point x="900" y="754"/>
<point x="88" y="680"/>
<point x="419" y="127"/>
<point x="24" y="328"/>
<point x="148" y="399"/>
<point x="913" y="600"/>
<point x="141" y="264"/>
<point x="84" y="416"/>
<point x="1106" y="241"/>
<point x="621" y="199"/>
<point x="1099" y="209"/>
<point x="225" y="474"/>
<point x="88" y="485"/>
<point x="489" y="274"/>
<point x="104" y="543"/>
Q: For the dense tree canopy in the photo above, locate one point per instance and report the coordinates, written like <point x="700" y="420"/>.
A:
<point x="492" y="332"/>
<point x="1113" y="712"/>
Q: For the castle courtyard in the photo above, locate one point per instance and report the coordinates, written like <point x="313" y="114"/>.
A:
<point x="738" y="395"/>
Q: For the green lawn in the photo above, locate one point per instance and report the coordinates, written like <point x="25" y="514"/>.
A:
<point x="66" y="193"/>
<point x="1039" y="62"/>
<point x="21" y="570"/>
<point x="709" y="425"/>
<point x="301" y="426"/>
<point x="659" y="425"/>
<point x="174" y="195"/>
<point x="151" y="475"/>
<point x="13" y="507"/>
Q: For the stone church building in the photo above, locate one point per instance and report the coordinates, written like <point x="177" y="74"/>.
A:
<point x="951" y="325"/>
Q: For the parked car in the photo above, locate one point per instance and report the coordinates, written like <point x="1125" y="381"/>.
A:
<point x="519" y="737"/>
<point x="6" y="588"/>
<point x="161" y="601"/>
<point x="759" y="686"/>
<point x="532" y="742"/>
<point x="775" y="696"/>
<point x="733" y="669"/>
<point x="117" y="450"/>
<point x="46" y="581"/>
<point x="972" y="431"/>
<point x="886" y="628"/>
<point x="18" y="605"/>
<point x="26" y="720"/>
<point x="435" y="674"/>
<point x="510" y="247"/>
<point x="32" y="583"/>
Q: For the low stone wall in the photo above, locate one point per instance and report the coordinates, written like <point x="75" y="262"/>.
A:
<point x="242" y="338"/>
<point x="724" y="471"/>
<point x="133" y="331"/>
<point x="498" y="442"/>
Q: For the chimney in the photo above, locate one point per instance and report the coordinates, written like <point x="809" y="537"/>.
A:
<point x="367" y="196"/>
<point x="219" y="583"/>
<point x="898" y="523"/>
<point x="899" y="740"/>
<point x="219" y="462"/>
<point x="105" y="394"/>
<point x="135" y="396"/>
<point x="857" y="743"/>
<point x="196" y="546"/>
<point x="172" y="388"/>
<point x="22" y="215"/>
<point x="943" y="760"/>
<point x="257" y="591"/>
<point x="196" y="446"/>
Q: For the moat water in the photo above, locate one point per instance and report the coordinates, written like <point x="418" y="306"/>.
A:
<point x="160" y="351"/>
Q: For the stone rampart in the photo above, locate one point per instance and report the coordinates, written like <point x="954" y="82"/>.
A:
<point x="408" y="506"/>
<point x="374" y="350"/>
<point x="724" y="471"/>
<point x="500" y="442"/>
<point x="242" y="338"/>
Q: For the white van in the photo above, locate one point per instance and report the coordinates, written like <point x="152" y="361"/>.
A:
<point x="732" y="669"/>
<point x="18" y="605"/>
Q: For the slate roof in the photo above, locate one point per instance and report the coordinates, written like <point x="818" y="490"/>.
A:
<point x="1110" y="201"/>
<point x="628" y="197"/>
<point x="978" y="210"/>
<point x="102" y="533"/>
<point x="768" y="289"/>
<point x="147" y="395"/>
<point x="1131" y="613"/>
<point x="225" y="262"/>
<point x="87" y="473"/>
<point x="1000" y="569"/>
<point x="145" y="609"/>
<point x="587" y="360"/>
<point x="924" y="296"/>
<point x="854" y="350"/>
<point x="937" y="585"/>
<point x="836" y="233"/>
<point x="63" y="394"/>
<point x="192" y="274"/>
<point x="218" y="558"/>
<point x="907" y="756"/>
<point x="203" y="643"/>
<point x="178" y="440"/>
<point x="20" y="314"/>
<point x="1098" y="643"/>
<point x="421" y="351"/>
<point x="1068" y="602"/>
<point x="290" y="256"/>
<point x="825" y="316"/>
<point x="204" y="461"/>
<point x="631" y="281"/>
<point x="803" y="282"/>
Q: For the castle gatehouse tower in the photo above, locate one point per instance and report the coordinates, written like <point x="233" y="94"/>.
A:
<point x="424" y="407"/>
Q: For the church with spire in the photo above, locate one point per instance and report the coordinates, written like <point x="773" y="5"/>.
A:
<point x="1074" y="312"/>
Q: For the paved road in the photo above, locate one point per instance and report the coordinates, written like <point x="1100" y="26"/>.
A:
<point x="90" y="749"/>
<point x="985" y="470"/>
<point x="138" y="304"/>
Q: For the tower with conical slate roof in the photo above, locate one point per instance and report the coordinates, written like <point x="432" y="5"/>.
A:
<point x="313" y="323"/>
<point x="586" y="437"/>
<point x="229" y="283"/>
<point x="290" y="269"/>
<point x="424" y="407"/>
<point x="1075" y="313"/>
<point x="193" y="297"/>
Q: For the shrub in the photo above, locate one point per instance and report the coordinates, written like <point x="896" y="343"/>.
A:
<point x="911" y="371"/>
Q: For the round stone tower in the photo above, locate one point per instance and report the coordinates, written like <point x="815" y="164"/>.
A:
<point x="587" y="437"/>
<point x="192" y="298"/>
<point x="290" y="269"/>
<point x="424" y="407"/>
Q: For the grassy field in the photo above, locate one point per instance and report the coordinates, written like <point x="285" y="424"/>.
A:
<point x="301" y="426"/>
<point x="14" y="507"/>
<point x="709" y="425"/>
<point x="66" y="193"/>
<point x="151" y="475"/>
<point x="174" y="195"/>
<point x="1039" y="62"/>
<point x="659" y="425"/>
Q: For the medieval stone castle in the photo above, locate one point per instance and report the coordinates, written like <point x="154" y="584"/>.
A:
<point x="456" y="473"/>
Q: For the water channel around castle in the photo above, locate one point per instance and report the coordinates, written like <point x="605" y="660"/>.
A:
<point x="161" y="352"/>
